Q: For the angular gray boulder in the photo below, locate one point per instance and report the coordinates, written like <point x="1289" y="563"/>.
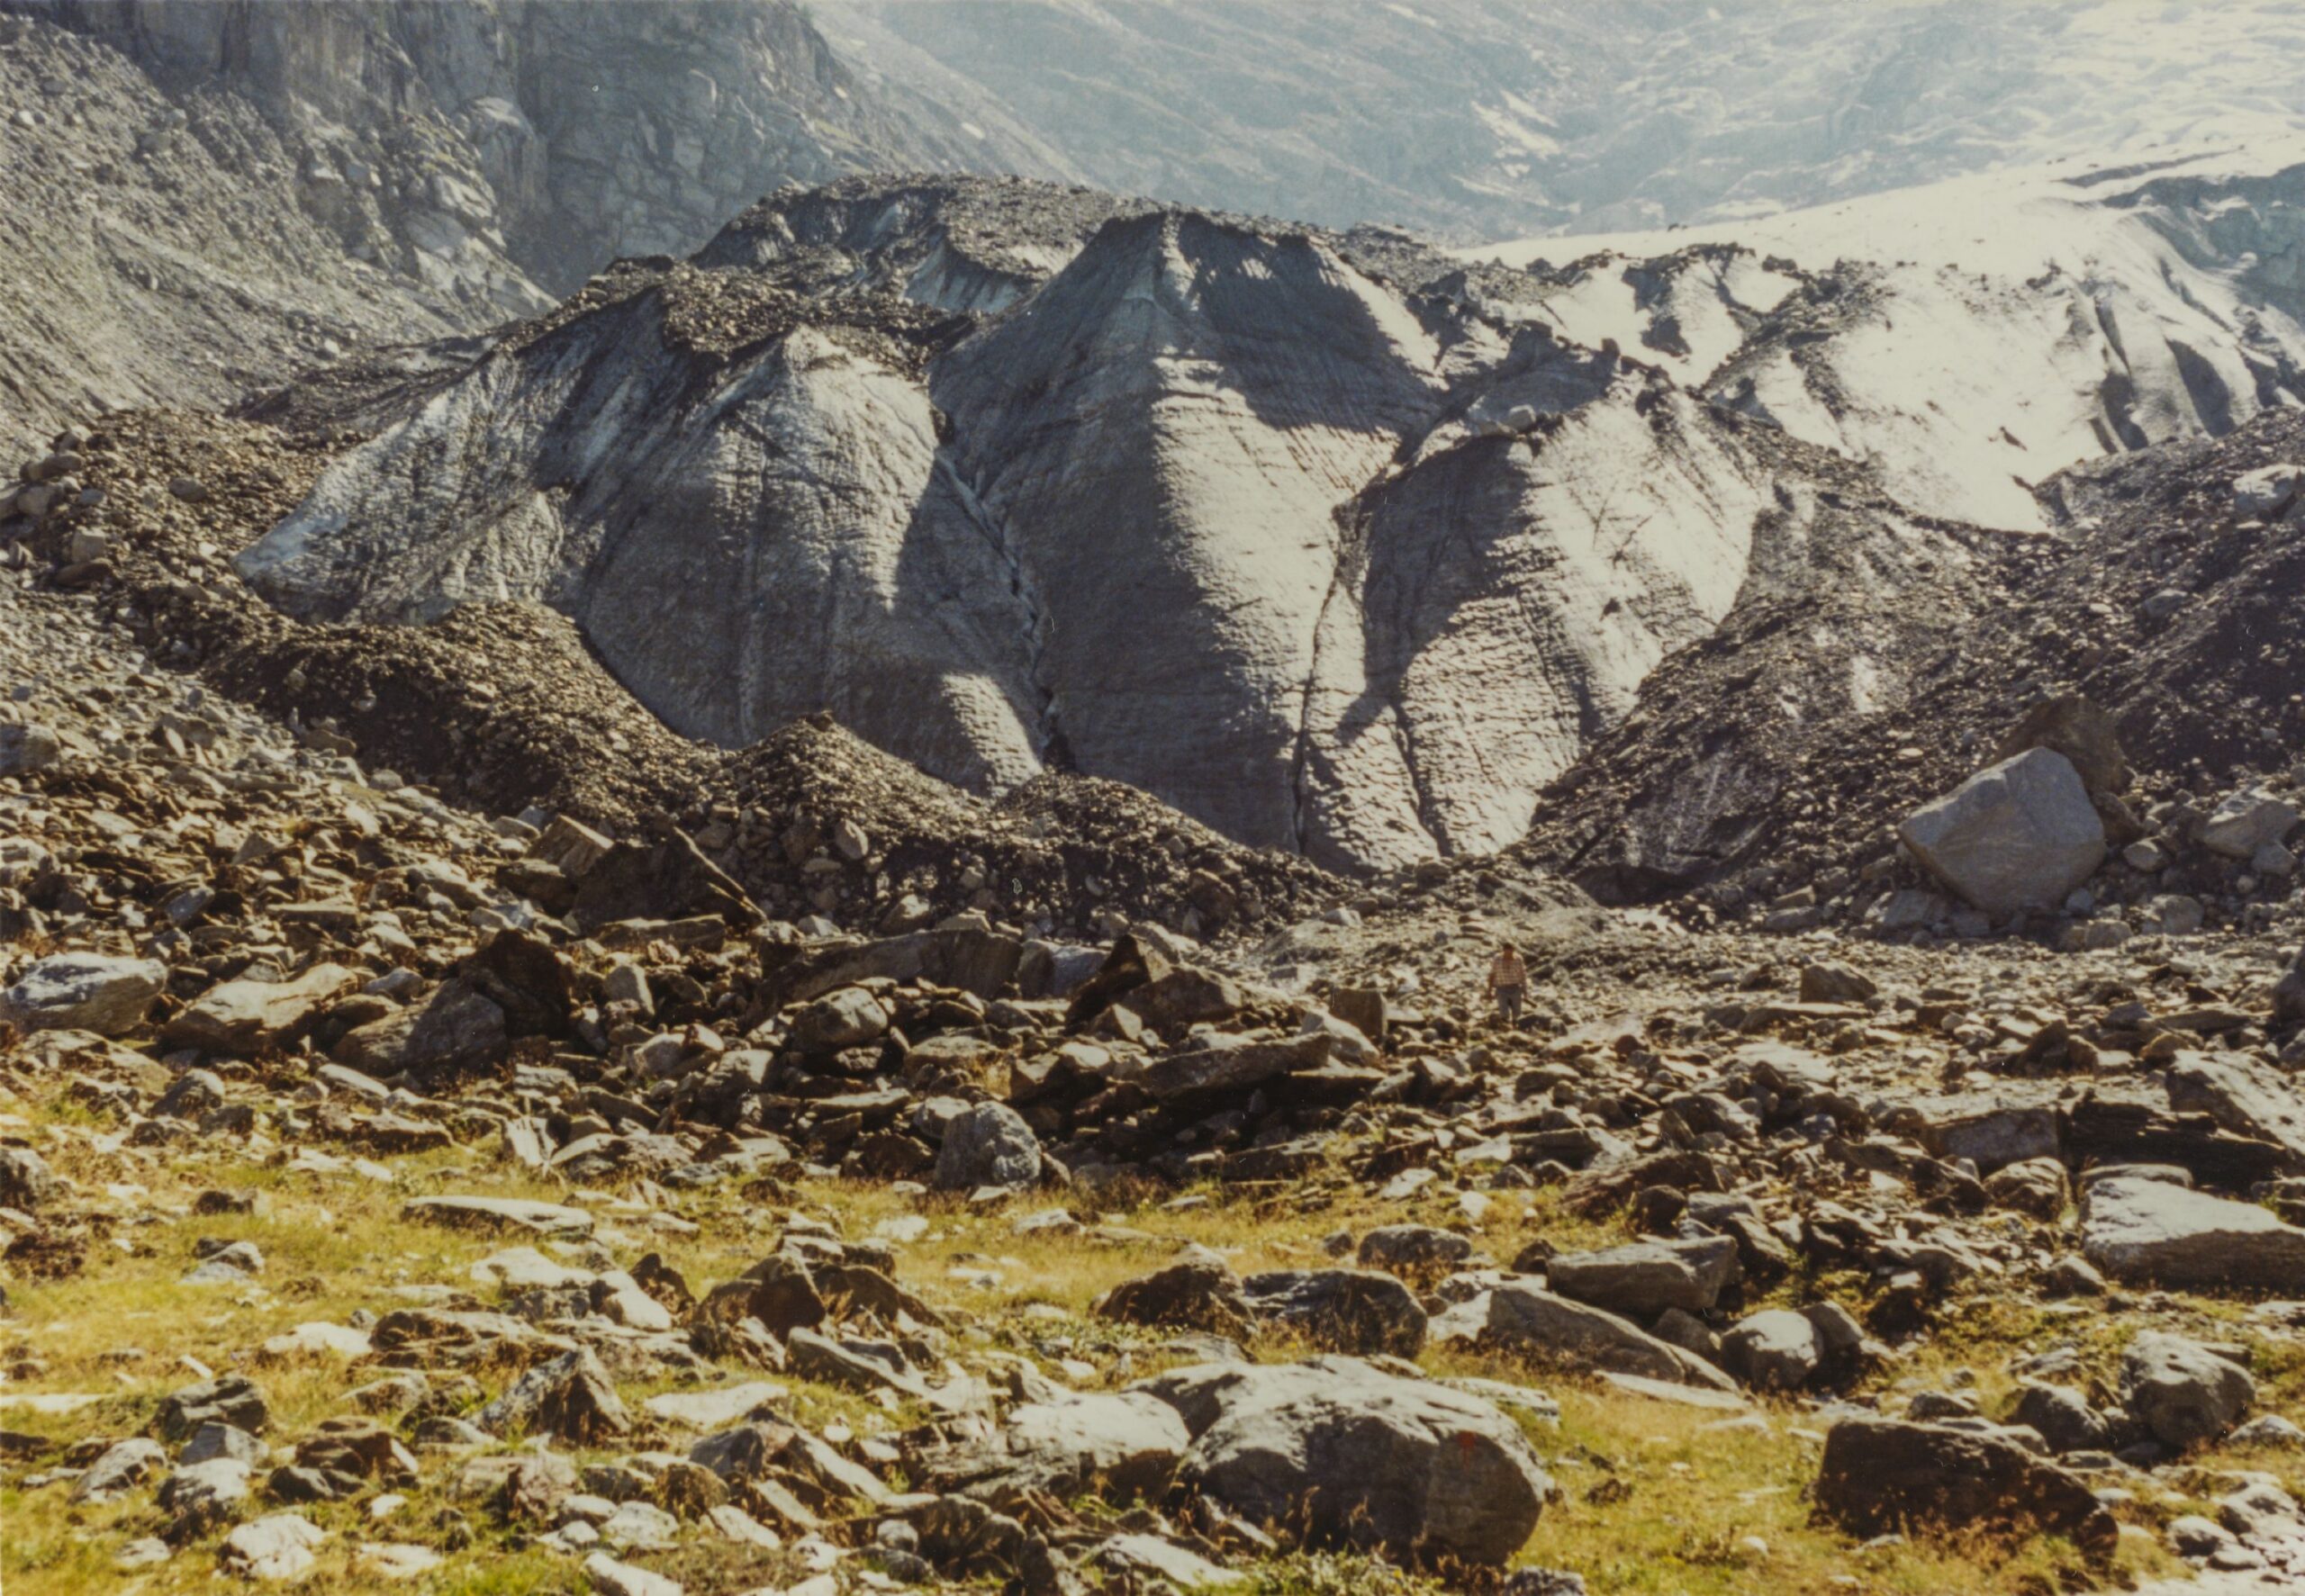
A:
<point x="988" y="1145"/>
<point x="1119" y="1444"/>
<point x="2148" y="1231"/>
<point x="1355" y="1310"/>
<point x="2245" y="822"/>
<point x="2180" y="1391"/>
<point x="25" y="1179"/>
<point x="1644" y="1278"/>
<point x="2019" y="834"/>
<point x="106" y="993"/>
<point x="1517" y="1315"/>
<point x="1882" y="1476"/>
<point x="1334" y="1451"/>
<point x="1776" y="1349"/>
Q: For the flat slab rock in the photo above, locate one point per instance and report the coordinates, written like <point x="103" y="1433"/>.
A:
<point x="715" y="1408"/>
<point x="1644" y="1278"/>
<point x="2246" y="1097"/>
<point x="502" y="1215"/>
<point x="240" y="1016"/>
<point x="1517" y="1314"/>
<point x="1121" y="1444"/>
<point x="2148" y="1231"/>
<point x="98" y="992"/>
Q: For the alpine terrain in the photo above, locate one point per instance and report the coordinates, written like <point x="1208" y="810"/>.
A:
<point x="1110" y="797"/>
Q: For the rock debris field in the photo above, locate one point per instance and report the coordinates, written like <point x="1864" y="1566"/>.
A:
<point x="817" y="922"/>
<point x="771" y="1193"/>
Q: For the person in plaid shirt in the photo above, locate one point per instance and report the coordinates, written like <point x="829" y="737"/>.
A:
<point x="1508" y="982"/>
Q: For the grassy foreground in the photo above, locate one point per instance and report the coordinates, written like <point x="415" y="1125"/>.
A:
<point x="1656" y="1497"/>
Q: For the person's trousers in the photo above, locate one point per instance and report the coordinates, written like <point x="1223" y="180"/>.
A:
<point x="1508" y="1004"/>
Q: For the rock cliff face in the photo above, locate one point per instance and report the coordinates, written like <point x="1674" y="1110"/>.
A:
<point x="557" y="133"/>
<point x="1280" y="526"/>
<point x="179" y="171"/>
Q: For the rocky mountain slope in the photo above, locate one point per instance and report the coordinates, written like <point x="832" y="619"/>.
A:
<point x="214" y="193"/>
<point x="1485" y="118"/>
<point x="1772" y="761"/>
<point x="930" y="456"/>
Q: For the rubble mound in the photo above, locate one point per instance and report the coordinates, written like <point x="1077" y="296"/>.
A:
<point x="956" y="243"/>
<point x="1774" y="759"/>
<point x="503" y="707"/>
<point x="817" y="820"/>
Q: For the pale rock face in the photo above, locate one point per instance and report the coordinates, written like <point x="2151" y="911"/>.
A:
<point x="1506" y="599"/>
<point x="2183" y="1392"/>
<point x="1204" y="508"/>
<point x="2143" y="1231"/>
<point x="1982" y="332"/>
<point x="1358" y="1455"/>
<point x="1164" y="432"/>
<point x="833" y="570"/>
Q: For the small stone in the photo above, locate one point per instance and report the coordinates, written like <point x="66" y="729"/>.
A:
<point x="278" y="1547"/>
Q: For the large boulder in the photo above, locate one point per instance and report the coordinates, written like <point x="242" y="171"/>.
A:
<point x="2062" y="1417"/>
<point x="849" y="1017"/>
<point x="988" y="1145"/>
<point x="119" y="1469"/>
<point x="24" y="749"/>
<point x="1336" y="1452"/>
<point x="2183" y="1392"/>
<point x="978" y="960"/>
<point x="1227" y="1067"/>
<point x="1358" y="1311"/>
<point x="1414" y="1250"/>
<point x="570" y="1396"/>
<point x="106" y="993"/>
<point x="2020" y="834"/>
<point x="26" y="1182"/>
<point x="2269" y="491"/>
<point x="2247" y="1097"/>
<point x="667" y="878"/>
<point x="455" y="1031"/>
<point x="228" y="1399"/>
<point x="277" y="1548"/>
<point x="1644" y="1278"/>
<point x="2152" y="1232"/>
<point x="199" y="1495"/>
<point x="1882" y="1476"/>
<point x="2010" y="1124"/>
